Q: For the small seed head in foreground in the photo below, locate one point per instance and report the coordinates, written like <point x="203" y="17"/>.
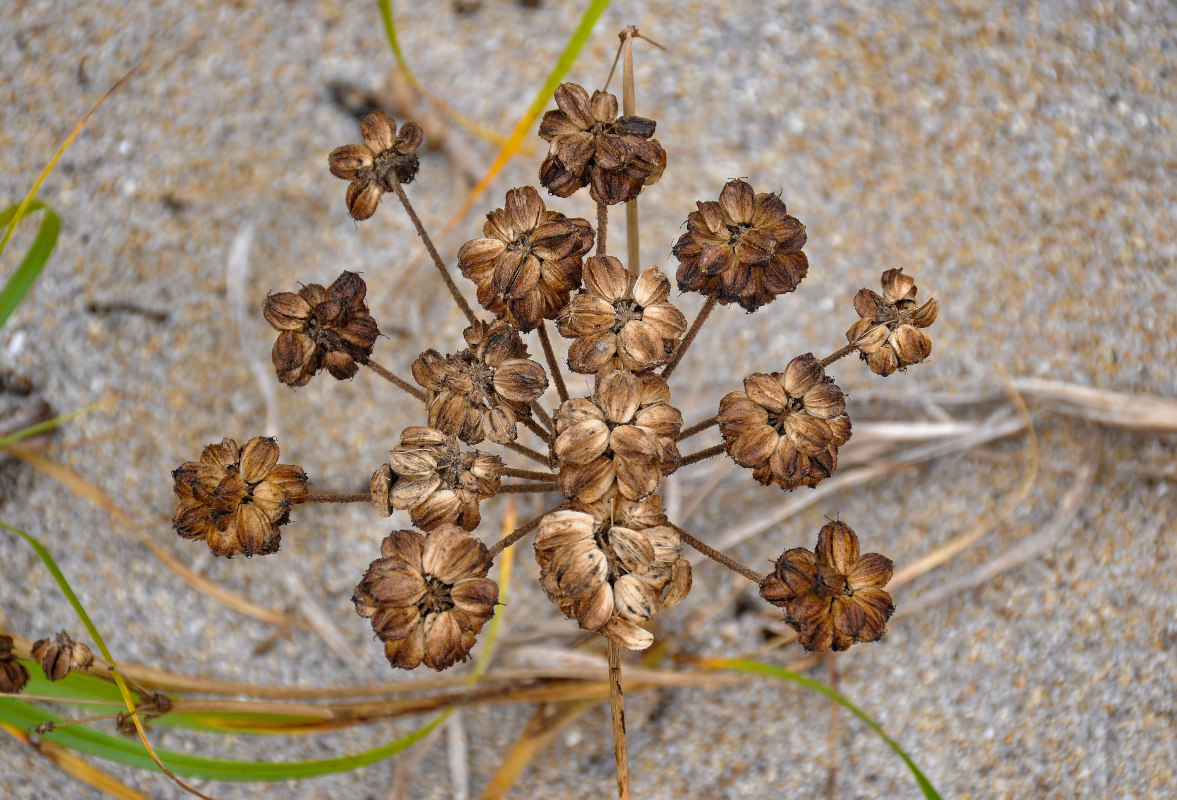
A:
<point x="374" y="167"/>
<point x="59" y="655"/>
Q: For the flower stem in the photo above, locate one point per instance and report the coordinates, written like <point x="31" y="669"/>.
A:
<point x="523" y="449"/>
<point x="530" y="486"/>
<point x="718" y="557"/>
<point x="441" y="268"/>
<point x="617" y="706"/>
<point x="698" y="427"/>
<point x="632" y="238"/>
<point x="542" y="416"/>
<point x="539" y="430"/>
<point x="702" y="455"/>
<point x="553" y="366"/>
<point x="337" y="497"/>
<point x="837" y="354"/>
<point x="400" y="383"/>
<point x="704" y="312"/>
<point x="513" y="472"/>
<point x="602" y="227"/>
<point x="519" y="533"/>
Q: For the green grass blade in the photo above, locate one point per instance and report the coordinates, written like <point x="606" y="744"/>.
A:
<point x="19" y="283"/>
<point x="757" y="668"/>
<point x="47" y="425"/>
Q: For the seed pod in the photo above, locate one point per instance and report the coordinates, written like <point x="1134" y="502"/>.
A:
<point x="889" y="335"/>
<point x="60" y="655"/>
<point x="374" y="167"/>
<point x="13" y="675"/>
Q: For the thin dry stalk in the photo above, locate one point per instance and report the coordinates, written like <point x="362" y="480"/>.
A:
<point x="437" y="262"/>
<point x="337" y="497"/>
<point x="629" y="106"/>
<point x="528" y="488"/>
<point x="698" y="427"/>
<point x="718" y="557"/>
<point x="696" y="326"/>
<point x="553" y="365"/>
<point x="617" y="707"/>
<point x="519" y="533"/>
<point x="514" y="472"/>
<point x="523" y="449"/>
<point x="399" y="383"/>
<point x="702" y="455"/>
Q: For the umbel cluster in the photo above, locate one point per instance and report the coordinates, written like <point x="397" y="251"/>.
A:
<point x="609" y="557"/>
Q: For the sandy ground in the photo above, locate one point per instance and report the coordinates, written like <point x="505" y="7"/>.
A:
<point x="1019" y="163"/>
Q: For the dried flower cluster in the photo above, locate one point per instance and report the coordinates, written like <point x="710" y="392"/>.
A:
<point x="833" y="597"/>
<point x="60" y="655"/>
<point x="609" y="558"/>
<point x="13" y="675"/>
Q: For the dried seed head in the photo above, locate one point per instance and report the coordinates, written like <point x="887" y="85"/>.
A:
<point x="439" y="484"/>
<point x="619" y="321"/>
<point x="622" y="440"/>
<point x="483" y="391"/>
<point x="13" y="675"/>
<point x="611" y="567"/>
<point x="743" y="249"/>
<point x="374" y="167"/>
<point x="833" y="597"/>
<point x="60" y="655"/>
<point x="529" y="261"/>
<point x="591" y="146"/>
<point x="888" y="335"/>
<point x="235" y="499"/>
<point x="321" y="328"/>
<point x="428" y="596"/>
<point x="787" y="427"/>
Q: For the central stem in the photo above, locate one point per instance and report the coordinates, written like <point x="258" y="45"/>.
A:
<point x="629" y="107"/>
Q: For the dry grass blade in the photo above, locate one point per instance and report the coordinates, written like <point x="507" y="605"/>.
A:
<point x="76" y="767"/>
<point x="541" y="729"/>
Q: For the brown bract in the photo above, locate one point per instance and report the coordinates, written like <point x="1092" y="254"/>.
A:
<point x="429" y="474"/>
<point x="13" y="675"/>
<point x="743" y="249"/>
<point x="481" y="392"/>
<point x="787" y="427"/>
<point x="888" y="335"/>
<point x="374" y="167"/>
<point x="61" y="654"/>
<point x="529" y="261"/>
<point x="321" y="328"/>
<point x="832" y="597"/>
<point x="235" y="499"/>
<point x="611" y="567"/>
<point x="428" y="596"/>
<point x="621" y="440"/>
<point x="620" y="322"/>
<point x="591" y="146"/>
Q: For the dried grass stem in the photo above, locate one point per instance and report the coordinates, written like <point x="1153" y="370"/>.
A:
<point x="437" y="262"/>
<point x="704" y="312"/>
<point x="718" y="557"/>
<point x="553" y="365"/>
<point x="399" y="383"/>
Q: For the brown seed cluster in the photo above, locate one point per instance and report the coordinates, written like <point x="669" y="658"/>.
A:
<point x="428" y="596"/>
<point x="621" y="440"/>
<point x="591" y="146"/>
<point x="236" y="499"/>
<point x="529" y="260"/>
<point x="833" y="597"/>
<point x="430" y="475"/>
<point x="787" y="427"/>
<point x="743" y="249"/>
<point x="888" y="335"/>
<point x="483" y="391"/>
<point x="611" y="568"/>
<point x="61" y="654"/>
<point x="321" y="328"/>
<point x="13" y="675"/>
<point x="620" y="322"/>
<point x="376" y="166"/>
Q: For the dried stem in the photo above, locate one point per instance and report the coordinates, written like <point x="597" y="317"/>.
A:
<point x="704" y="312"/>
<point x="617" y="705"/>
<point x="702" y="455"/>
<point x="523" y="449"/>
<point x="831" y="661"/>
<point x="399" y="383"/>
<point x="519" y="533"/>
<point x="441" y="268"/>
<point x="531" y="486"/>
<point x="513" y="472"/>
<point x="539" y="430"/>
<point x="543" y="417"/>
<point x="602" y="227"/>
<point x="337" y="497"/>
<point x="718" y="557"/>
<point x="840" y="353"/>
<point x="632" y="237"/>
<point x="698" y="427"/>
<point x="553" y="366"/>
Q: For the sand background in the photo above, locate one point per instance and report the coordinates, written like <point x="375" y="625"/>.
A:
<point x="1018" y="161"/>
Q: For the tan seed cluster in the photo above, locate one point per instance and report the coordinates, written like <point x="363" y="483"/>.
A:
<point x="787" y="427"/>
<point x="611" y="569"/>
<point x="61" y="654"/>
<point x="591" y="146"/>
<point x="483" y="391"/>
<point x="833" y="597"/>
<point x="743" y="249"/>
<point x="621" y="440"/>
<point x="428" y="596"/>
<point x="235" y="499"/>
<point x="888" y="335"/>
<point x="13" y="675"/>
<point x="620" y="322"/>
<point x="529" y="260"/>
<point x="321" y="328"/>
<point x="430" y="475"/>
<point x="376" y="166"/>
